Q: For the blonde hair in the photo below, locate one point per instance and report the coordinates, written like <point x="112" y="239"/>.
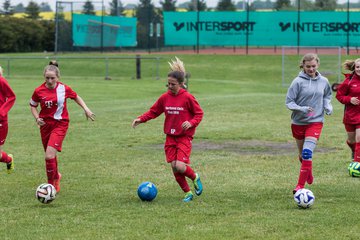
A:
<point x="52" y="68"/>
<point x="178" y="72"/>
<point x="1" y="71"/>
<point x="309" y="57"/>
<point x="177" y="65"/>
<point x="350" y="64"/>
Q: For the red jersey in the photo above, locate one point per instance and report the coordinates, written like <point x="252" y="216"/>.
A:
<point x="178" y="109"/>
<point x="52" y="101"/>
<point x="7" y="99"/>
<point x="348" y="89"/>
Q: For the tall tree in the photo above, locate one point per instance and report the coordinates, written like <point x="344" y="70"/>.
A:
<point x="146" y="15"/>
<point x="306" y="5"/>
<point x="116" y="8"/>
<point x="197" y="5"/>
<point x="226" y="5"/>
<point x="282" y="4"/>
<point x="45" y="7"/>
<point x="325" y="5"/>
<point x="168" y="5"/>
<point x="19" y="8"/>
<point x="8" y="9"/>
<point x="32" y="10"/>
<point x="88" y="8"/>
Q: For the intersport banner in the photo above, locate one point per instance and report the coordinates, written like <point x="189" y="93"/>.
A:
<point x="117" y="31"/>
<point x="263" y="28"/>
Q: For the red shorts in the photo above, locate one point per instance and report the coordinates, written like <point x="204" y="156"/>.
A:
<point x="351" y="127"/>
<point x="311" y="130"/>
<point x="178" y="148"/>
<point x="53" y="133"/>
<point x="3" y="131"/>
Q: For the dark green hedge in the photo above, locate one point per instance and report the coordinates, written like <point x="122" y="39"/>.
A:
<point x="26" y="35"/>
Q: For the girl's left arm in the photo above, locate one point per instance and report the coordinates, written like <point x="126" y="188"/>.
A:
<point x="197" y="111"/>
<point x="88" y="112"/>
<point x="327" y="99"/>
<point x="10" y="95"/>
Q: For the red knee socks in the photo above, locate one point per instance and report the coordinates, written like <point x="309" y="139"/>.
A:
<point x="305" y="171"/>
<point x="181" y="180"/>
<point x="51" y="170"/>
<point x="357" y="152"/>
<point x="189" y="172"/>
<point x="5" y="158"/>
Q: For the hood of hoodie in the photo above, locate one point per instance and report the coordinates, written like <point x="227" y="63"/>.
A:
<point x="303" y="75"/>
<point x="181" y="91"/>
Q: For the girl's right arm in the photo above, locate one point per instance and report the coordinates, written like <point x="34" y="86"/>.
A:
<point x="342" y="92"/>
<point x="39" y="121"/>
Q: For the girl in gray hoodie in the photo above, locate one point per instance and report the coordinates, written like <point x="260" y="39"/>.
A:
<point x="309" y="98"/>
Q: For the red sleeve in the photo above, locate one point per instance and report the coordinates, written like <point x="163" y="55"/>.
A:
<point x="34" y="100"/>
<point x="9" y="95"/>
<point x="70" y="93"/>
<point x="154" y="111"/>
<point x="343" y="91"/>
<point x="196" y="111"/>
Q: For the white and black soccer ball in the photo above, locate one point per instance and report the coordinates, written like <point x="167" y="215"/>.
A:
<point x="304" y="198"/>
<point x="45" y="193"/>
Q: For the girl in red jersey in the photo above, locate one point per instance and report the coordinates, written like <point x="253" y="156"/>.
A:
<point x="182" y="115"/>
<point x="348" y="94"/>
<point x="53" y="118"/>
<point x="7" y="100"/>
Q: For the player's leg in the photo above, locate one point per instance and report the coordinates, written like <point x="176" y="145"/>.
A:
<point x="171" y="157"/>
<point x="54" y="145"/>
<point x="357" y="144"/>
<point x="184" y="147"/>
<point x="8" y="159"/>
<point x="50" y="164"/>
<point x="350" y="141"/>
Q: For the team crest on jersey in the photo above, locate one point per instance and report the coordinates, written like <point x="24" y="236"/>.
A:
<point x="48" y="104"/>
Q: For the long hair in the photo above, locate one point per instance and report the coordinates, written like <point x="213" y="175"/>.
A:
<point x="178" y="72"/>
<point x="350" y="64"/>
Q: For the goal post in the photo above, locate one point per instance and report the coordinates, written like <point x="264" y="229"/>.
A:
<point x="330" y="62"/>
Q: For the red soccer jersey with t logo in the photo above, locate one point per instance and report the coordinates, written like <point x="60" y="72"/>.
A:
<point x="52" y="101"/>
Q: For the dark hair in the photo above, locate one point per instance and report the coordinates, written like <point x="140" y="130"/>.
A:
<point x="54" y="62"/>
<point x="179" y="76"/>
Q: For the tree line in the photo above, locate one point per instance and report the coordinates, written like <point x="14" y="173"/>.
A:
<point x="32" y="33"/>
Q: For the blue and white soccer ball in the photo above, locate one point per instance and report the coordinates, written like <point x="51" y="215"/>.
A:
<point x="147" y="191"/>
<point x="304" y="198"/>
<point x="354" y="169"/>
<point x="45" y="193"/>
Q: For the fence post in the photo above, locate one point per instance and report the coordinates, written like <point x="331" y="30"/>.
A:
<point x="107" y="77"/>
<point x="138" y="67"/>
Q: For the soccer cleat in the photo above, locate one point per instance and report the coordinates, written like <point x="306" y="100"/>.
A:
<point x="57" y="183"/>
<point x="297" y="188"/>
<point x="188" y="197"/>
<point x="10" y="165"/>
<point x="198" y="185"/>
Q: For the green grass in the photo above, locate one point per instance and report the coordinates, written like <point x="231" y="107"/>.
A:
<point x="246" y="195"/>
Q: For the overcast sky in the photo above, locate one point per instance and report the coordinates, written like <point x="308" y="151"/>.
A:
<point x="210" y="3"/>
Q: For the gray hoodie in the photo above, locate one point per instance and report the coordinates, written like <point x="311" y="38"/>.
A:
<point x="305" y="93"/>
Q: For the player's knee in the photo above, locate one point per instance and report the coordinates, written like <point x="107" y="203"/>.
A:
<point x="306" y="154"/>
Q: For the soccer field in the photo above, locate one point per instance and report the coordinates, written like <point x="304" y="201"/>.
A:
<point x="243" y="150"/>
